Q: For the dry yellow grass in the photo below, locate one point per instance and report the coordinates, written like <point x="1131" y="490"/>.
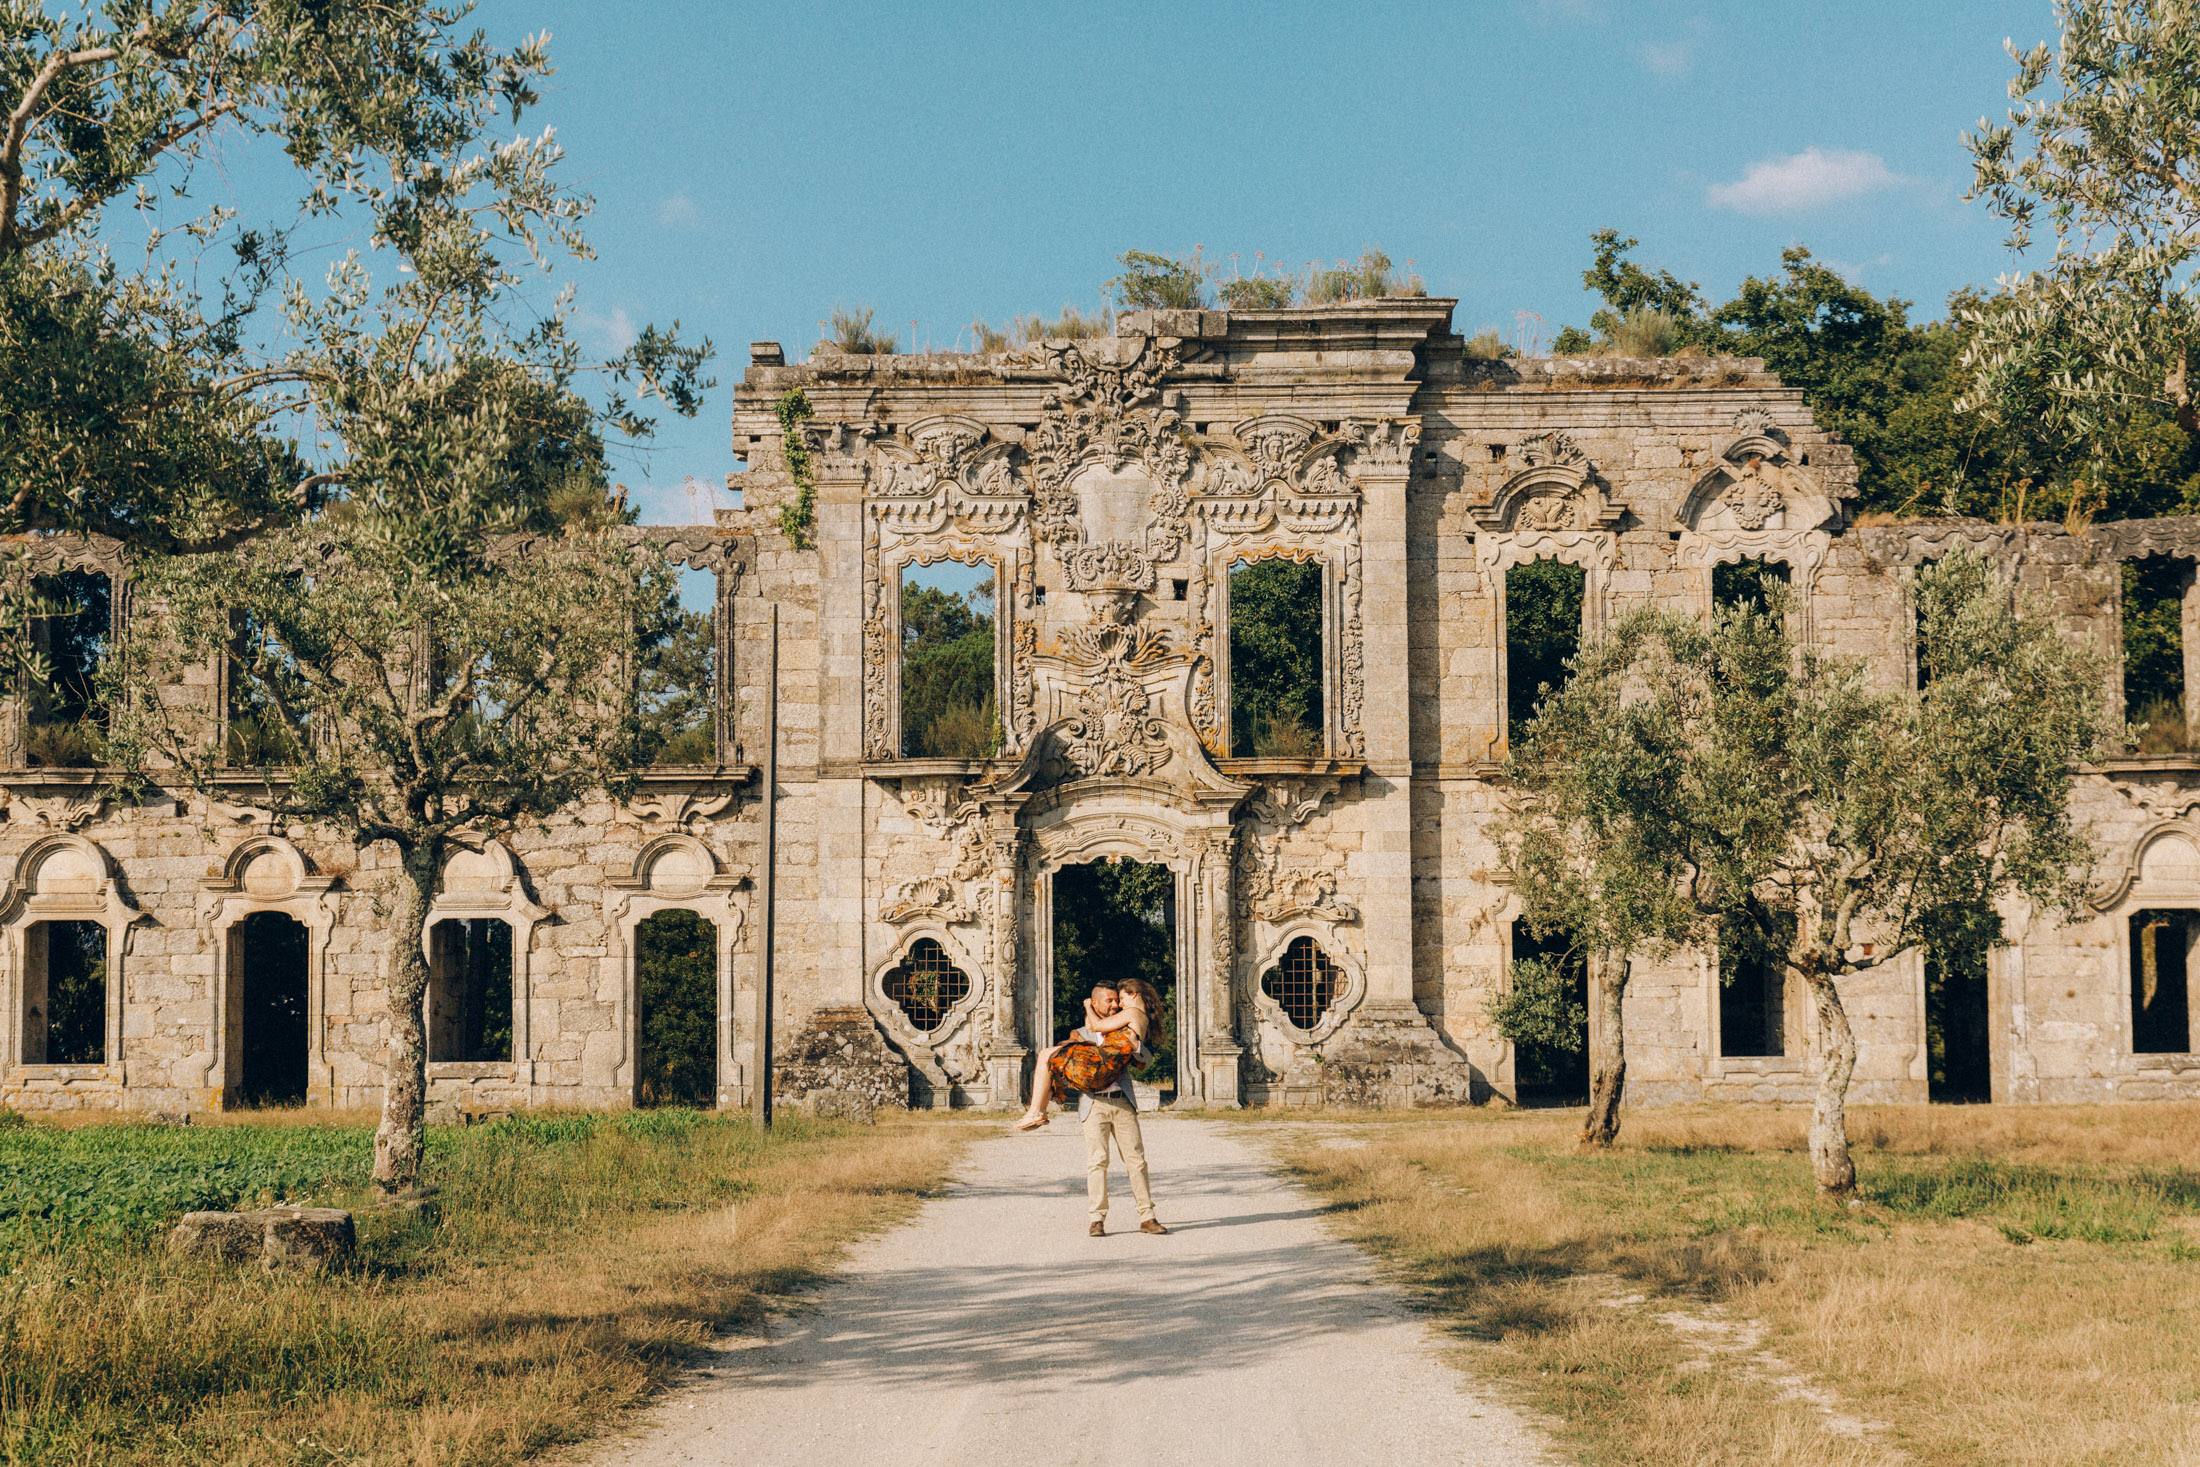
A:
<point x="2021" y="1288"/>
<point x="567" y="1280"/>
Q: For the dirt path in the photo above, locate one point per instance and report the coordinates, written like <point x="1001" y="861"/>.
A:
<point x="992" y="1329"/>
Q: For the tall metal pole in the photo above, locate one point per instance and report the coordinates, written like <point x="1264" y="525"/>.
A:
<point x="763" y="1087"/>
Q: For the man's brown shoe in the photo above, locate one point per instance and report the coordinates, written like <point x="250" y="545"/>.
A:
<point x="1151" y="1225"/>
<point x="1099" y="1230"/>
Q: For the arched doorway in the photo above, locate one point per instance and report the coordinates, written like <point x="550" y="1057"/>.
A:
<point x="268" y="1000"/>
<point x="676" y="1002"/>
<point x="1116" y="919"/>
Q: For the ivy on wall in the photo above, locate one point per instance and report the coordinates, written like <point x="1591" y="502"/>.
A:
<point x="795" y="519"/>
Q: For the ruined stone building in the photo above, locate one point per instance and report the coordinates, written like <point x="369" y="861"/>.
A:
<point x="1337" y="918"/>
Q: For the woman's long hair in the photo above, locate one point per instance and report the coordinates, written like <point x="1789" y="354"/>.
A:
<point x="1148" y="995"/>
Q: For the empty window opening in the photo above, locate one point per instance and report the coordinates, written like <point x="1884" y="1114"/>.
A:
<point x="1552" y="1067"/>
<point x="1753" y="1019"/>
<point x="1276" y="659"/>
<point x="470" y="991"/>
<point x="266" y="697"/>
<point x="268" y="989"/>
<point x="1303" y="983"/>
<point x="1737" y="583"/>
<point x="2154" y="651"/>
<point x="677" y="673"/>
<point x="1958" y="1031"/>
<point x="926" y="986"/>
<point x="676" y="992"/>
<point x="1543" y="604"/>
<point x="65" y="993"/>
<point x="65" y="724"/>
<point x="949" y="709"/>
<point x="1917" y="629"/>
<point x="2161" y="967"/>
<point x="1115" y="920"/>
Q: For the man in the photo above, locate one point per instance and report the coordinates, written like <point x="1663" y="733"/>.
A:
<point x="1114" y="1113"/>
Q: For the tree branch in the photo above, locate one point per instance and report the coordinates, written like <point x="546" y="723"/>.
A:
<point x="19" y="123"/>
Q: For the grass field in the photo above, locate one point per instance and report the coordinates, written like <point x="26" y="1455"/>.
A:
<point x="2020" y="1288"/>
<point x="577" y="1260"/>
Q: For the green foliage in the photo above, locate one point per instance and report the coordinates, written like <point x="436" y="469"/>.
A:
<point x="850" y="330"/>
<point x="796" y="519"/>
<point x="1275" y="658"/>
<point x="1370" y="277"/>
<point x="1074" y="324"/>
<point x="948" y="706"/>
<point x="1488" y="345"/>
<point x="2103" y="138"/>
<point x="1893" y="389"/>
<point x="76" y="993"/>
<point x="1540" y="1010"/>
<point x="1111" y="922"/>
<point x="2153" y="618"/>
<point x="1162" y="282"/>
<point x="130" y="1183"/>
<point x="1688" y="781"/>
<point x="676" y="991"/>
<point x="1542" y="634"/>
<point x="1626" y="287"/>
<point x="64" y="717"/>
<point x="1645" y="331"/>
<point x="1259" y="293"/>
<point x="676" y="661"/>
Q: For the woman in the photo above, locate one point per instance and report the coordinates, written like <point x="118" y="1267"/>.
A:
<point x="1094" y="1065"/>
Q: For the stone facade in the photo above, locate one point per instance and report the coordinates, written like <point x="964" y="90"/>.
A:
<point x="1110" y="485"/>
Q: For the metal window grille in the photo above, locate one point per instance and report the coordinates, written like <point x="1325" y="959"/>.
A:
<point x="1304" y="984"/>
<point x="927" y="985"/>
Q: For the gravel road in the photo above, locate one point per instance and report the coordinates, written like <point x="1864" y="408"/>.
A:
<point x="992" y="1329"/>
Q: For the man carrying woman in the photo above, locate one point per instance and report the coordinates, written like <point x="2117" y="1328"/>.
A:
<point x="1095" y="1063"/>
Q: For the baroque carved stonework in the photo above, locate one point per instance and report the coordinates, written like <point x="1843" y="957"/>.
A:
<point x="928" y="896"/>
<point x="1114" y="728"/>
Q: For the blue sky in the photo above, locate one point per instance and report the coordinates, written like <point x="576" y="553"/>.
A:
<point x="753" y="165"/>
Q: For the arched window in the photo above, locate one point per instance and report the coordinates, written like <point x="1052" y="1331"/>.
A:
<point x="926" y="986"/>
<point x="1303" y="983"/>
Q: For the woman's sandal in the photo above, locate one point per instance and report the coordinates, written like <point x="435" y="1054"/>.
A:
<point x="1030" y="1123"/>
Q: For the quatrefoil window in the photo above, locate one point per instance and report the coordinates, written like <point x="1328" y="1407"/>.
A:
<point x="926" y="985"/>
<point x="1303" y="983"/>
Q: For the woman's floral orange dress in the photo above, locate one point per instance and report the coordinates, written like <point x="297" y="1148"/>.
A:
<point x="1092" y="1068"/>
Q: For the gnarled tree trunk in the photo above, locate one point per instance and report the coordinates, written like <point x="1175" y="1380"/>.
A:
<point x="1608" y="976"/>
<point x="401" y="1138"/>
<point x="1830" y="1163"/>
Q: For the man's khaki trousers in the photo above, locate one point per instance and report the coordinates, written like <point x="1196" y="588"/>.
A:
<point x="1111" y="1115"/>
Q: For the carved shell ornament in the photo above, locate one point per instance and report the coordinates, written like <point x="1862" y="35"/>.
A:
<point x="1553" y="448"/>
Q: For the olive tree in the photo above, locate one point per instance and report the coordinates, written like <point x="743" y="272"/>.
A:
<point x="390" y="515"/>
<point x="2102" y="145"/>
<point x="1696" y="784"/>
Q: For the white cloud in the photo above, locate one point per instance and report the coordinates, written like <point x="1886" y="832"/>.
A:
<point x="677" y="209"/>
<point x="1806" y="180"/>
<point x="610" y="334"/>
<point x="1672" y="59"/>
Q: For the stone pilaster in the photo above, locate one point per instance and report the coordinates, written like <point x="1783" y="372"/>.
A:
<point x="839" y="533"/>
<point x="1006" y="1058"/>
<point x="1219" y="1046"/>
<point x="1383" y="868"/>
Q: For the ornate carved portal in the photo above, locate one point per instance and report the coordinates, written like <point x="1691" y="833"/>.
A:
<point x="1110" y="524"/>
<point x="1196" y="847"/>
